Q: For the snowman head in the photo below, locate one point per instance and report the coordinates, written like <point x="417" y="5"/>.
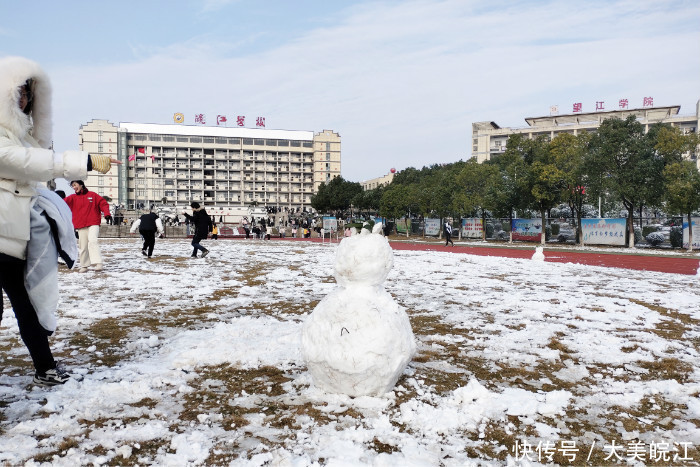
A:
<point x="363" y="259"/>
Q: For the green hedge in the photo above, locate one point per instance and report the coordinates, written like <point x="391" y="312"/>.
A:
<point x="647" y="229"/>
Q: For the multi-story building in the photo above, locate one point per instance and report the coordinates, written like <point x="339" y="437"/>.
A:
<point x="489" y="139"/>
<point x="379" y="181"/>
<point x="219" y="167"/>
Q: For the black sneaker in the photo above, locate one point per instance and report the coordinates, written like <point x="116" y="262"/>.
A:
<point x="205" y="253"/>
<point x="143" y="252"/>
<point x="52" y="377"/>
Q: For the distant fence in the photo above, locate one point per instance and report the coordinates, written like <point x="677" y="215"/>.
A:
<point x="558" y="230"/>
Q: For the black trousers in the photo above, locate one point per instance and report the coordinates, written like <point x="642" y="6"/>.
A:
<point x="35" y="337"/>
<point x="149" y="240"/>
<point x="448" y="238"/>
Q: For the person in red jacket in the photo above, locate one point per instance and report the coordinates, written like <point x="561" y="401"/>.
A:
<point x="87" y="207"/>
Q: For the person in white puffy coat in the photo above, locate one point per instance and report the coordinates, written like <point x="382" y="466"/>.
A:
<point x="26" y="161"/>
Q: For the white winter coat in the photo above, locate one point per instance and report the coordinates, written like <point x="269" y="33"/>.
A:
<point x="25" y="159"/>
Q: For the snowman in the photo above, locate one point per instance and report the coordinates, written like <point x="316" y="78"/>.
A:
<point x="358" y="340"/>
<point x="538" y="255"/>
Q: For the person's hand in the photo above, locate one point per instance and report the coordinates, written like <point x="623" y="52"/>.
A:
<point x="115" y="161"/>
<point x="108" y="218"/>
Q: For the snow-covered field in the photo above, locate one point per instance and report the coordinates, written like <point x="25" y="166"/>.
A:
<point x="197" y="361"/>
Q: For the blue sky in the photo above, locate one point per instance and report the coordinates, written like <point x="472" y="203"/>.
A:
<point x="401" y="81"/>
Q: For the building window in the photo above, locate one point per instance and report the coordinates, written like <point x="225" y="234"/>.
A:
<point x="328" y="146"/>
<point x="328" y="156"/>
<point x="101" y="181"/>
<point x="99" y="135"/>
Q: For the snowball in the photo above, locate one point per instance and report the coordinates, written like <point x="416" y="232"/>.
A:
<point x="363" y="259"/>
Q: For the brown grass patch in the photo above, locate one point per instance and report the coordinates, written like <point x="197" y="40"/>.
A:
<point x="228" y="381"/>
<point x="667" y="368"/>
<point x="251" y="277"/>
<point x="379" y="447"/>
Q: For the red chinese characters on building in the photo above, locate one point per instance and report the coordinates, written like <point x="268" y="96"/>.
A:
<point x="200" y="118"/>
<point x="600" y="105"/>
<point x="623" y="103"/>
<point x="260" y="121"/>
<point x="220" y="119"/>
<point x="240" y="120"/>
<point x="578" y="107"/>
<point x="648" y="102"/>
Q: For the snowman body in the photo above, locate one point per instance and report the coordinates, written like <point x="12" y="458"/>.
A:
<point x="358" y="340"/>
<point x="538" y="255"/>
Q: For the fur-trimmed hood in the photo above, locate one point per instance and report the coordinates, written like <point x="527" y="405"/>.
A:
<point x="14" y="72"/>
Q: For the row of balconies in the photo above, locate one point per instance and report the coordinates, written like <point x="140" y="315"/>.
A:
<point x="169" y="162"/>
<point x="232" y="189"/>
<point x="232" y="167"/>
<point x="159" y="181"/>
<point x="170" y="179"/>
<point x="158" y="150"/>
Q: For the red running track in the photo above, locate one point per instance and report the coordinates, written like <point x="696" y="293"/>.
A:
<point x="661" y="263"/>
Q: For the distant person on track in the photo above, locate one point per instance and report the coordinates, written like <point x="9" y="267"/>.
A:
<point x="447" y="227"/>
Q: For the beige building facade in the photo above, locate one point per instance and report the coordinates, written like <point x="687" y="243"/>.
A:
<point x="489" y="139"/>
<point x="219" y="167"/>
<point x="377" y="182"/>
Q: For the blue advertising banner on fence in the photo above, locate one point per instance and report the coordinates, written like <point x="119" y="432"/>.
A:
<point x="527" y="229"/>
<point x="604" y="231"/>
